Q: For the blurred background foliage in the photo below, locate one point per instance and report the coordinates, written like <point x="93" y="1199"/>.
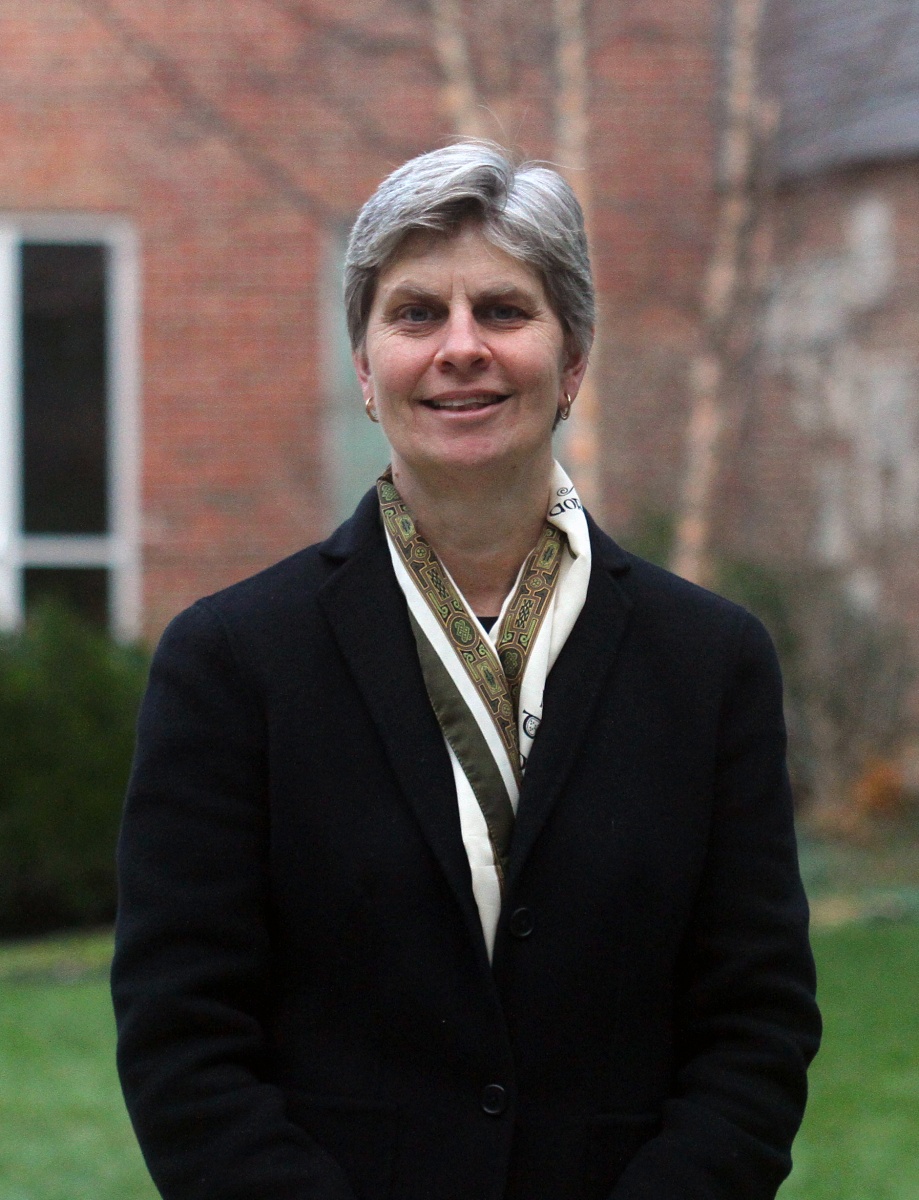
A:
<point x="68" y="704"/>
<point x="849" y="673"/>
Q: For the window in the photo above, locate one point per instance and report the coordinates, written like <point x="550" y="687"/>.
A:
<point x="68" y="419"/>
<point x="356" y="450"/>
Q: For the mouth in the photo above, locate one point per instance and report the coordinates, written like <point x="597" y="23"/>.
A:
<point x="462" y="404"/>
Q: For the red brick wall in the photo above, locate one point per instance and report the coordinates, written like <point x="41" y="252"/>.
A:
<point x="237" y="139"/>
<point x="653" y="154"/>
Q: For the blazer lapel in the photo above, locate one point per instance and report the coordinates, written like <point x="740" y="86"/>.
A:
<point x="367" y="612"/>
<point x="572" y="690"/>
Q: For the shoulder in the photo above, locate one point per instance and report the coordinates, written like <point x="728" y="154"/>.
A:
<point x="268" y="607"/>
<point x="683" y="619"/>
<point x="656" y="590"/>
<point x="273" y="593"/>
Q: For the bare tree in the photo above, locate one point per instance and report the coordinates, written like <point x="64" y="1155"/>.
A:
<point x="177" y="80"/>
<point x="209" y="117"/>
<point x="747" y="123"/>
<point x="460" y="99"/>
<point x="572" y="137"/>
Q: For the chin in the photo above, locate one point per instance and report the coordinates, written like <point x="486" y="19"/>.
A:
<point x="476" y="457"/>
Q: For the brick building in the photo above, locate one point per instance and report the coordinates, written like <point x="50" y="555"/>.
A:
<point x="176" y="181"/>
<point x="829" y="452"/>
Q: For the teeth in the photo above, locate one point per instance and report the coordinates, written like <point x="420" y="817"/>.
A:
<point x="468" y="402"/>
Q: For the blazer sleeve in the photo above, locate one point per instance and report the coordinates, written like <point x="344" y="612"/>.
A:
<point x="192" y="963"/>
<point x="747" y="1021"/>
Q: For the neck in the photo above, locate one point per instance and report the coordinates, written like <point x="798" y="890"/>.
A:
<point x="482" y="526"/>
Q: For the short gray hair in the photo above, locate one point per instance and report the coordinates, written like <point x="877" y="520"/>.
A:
<point x="525" y="209"/>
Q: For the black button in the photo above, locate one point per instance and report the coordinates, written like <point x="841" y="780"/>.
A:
<point x="521" y="923"/>
<point x="494" y="1100"/>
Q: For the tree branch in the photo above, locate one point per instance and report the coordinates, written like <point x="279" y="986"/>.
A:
<point x="206" y="115"/>
<point x="351" y="36"/>
<point x="459" y="94"/>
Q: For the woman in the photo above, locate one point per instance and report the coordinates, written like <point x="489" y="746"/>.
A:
<point x="458" y="859"/>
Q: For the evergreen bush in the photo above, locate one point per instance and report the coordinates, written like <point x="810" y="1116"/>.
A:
<point x="68" y="705"/>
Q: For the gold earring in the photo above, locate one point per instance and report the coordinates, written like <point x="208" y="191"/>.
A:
<point x="565" y="413"/>
<point x="370" y="411"/>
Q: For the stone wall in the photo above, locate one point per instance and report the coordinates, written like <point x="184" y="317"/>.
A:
<point x="829" y="446"/>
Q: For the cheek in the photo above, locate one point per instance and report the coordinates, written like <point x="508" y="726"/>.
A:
<point x="395" y="371"/>
<point x="545" y="374"/>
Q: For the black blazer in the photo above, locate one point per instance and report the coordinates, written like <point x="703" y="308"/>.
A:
<point x="306" y="1009"/>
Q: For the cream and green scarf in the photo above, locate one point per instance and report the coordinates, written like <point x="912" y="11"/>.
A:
<point x="487" y="688"/>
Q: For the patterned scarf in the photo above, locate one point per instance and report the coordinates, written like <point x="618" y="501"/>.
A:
<point x="486" y="689"/>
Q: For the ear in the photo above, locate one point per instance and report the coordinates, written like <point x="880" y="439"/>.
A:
<point x="362" y="367"/>
<point x="573" y="369"/>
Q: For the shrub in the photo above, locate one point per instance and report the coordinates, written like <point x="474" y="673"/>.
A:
<point x="68" y="705"/>
<point x="849" y="674"/>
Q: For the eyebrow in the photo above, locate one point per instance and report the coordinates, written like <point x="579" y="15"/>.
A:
<point x="410" y="290"/>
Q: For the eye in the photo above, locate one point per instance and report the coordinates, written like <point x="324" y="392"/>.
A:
<point x="505" y="314"/>
<point x="415" y="314"/>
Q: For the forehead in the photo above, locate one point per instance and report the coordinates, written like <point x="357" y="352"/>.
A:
<point x="429" y="259"/>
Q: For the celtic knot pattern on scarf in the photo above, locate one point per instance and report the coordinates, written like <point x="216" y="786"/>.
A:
<point x="528" y="608"/>
<point x="497" y="677"/>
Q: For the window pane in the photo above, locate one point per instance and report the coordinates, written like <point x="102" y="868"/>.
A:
<point x="64" y="388"/>
<point x="359" y="450"/>
<point x="83" y="589"/>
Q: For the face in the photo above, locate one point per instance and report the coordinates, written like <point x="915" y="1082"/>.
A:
<point x="464" y="358"/>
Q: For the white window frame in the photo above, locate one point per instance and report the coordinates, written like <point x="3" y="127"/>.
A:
<point x="117" y="551"/>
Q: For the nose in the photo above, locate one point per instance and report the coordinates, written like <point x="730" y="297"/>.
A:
<point x="462" y="346"/>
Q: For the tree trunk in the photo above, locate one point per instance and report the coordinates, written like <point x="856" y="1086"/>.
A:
<point x="459" y="95"/>
<point x="724" y="284"/>
<point x="572" y="126"/>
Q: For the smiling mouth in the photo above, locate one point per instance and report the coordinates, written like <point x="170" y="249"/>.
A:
<point x="464" y="403"/>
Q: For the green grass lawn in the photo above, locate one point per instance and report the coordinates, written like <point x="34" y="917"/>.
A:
<point x="64" y="1134"/>
<point x="860" y="1138"/>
